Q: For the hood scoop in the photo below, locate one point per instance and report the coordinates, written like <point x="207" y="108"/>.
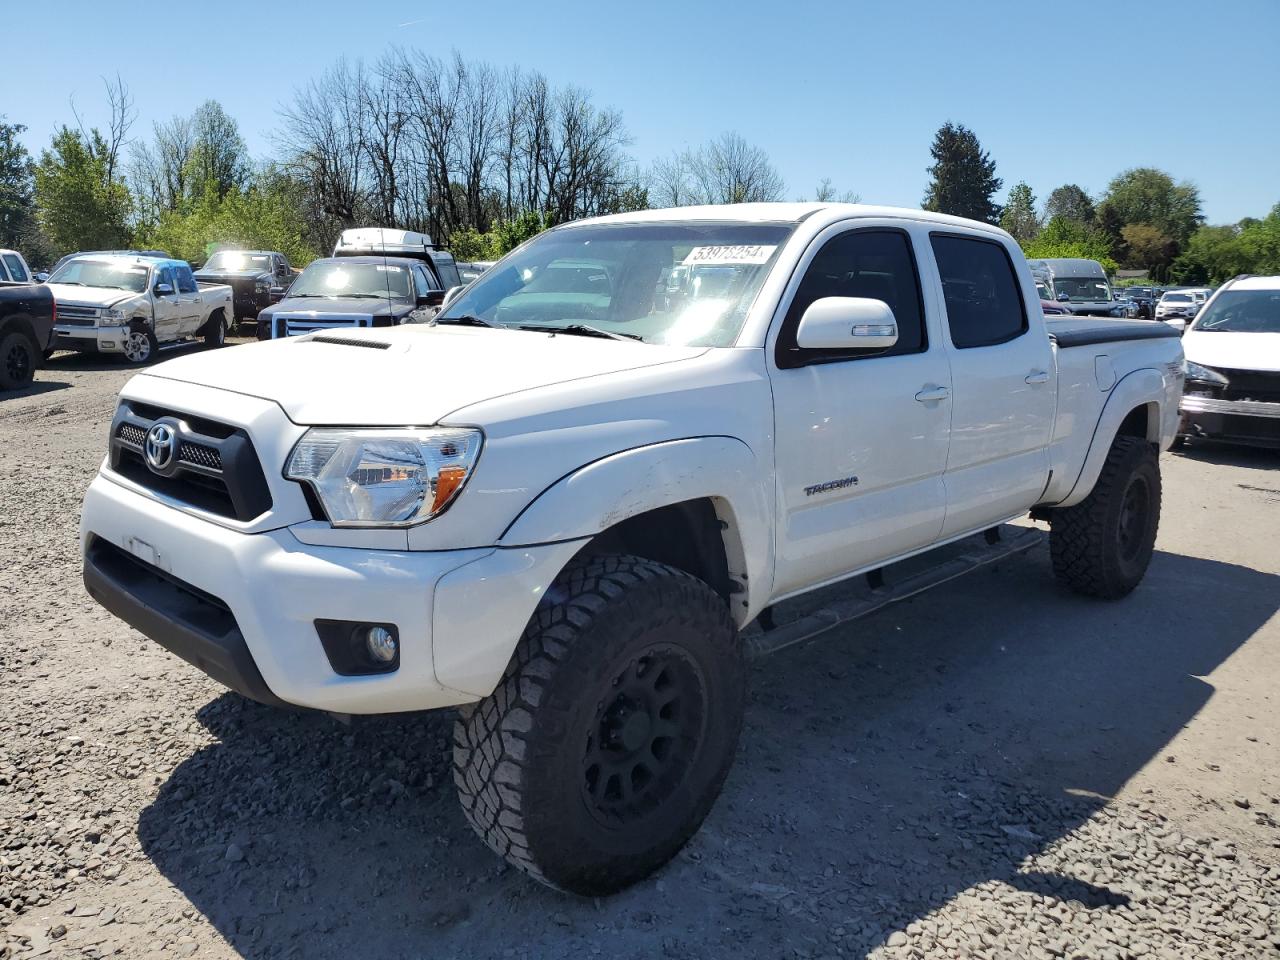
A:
<point x="350" y="342"/>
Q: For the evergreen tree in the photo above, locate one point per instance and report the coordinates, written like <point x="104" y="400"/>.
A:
<point x="1019" y="216"/>
<point x="963" y="176"/>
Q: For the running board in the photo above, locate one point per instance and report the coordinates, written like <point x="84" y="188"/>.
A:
<point x="882" y="588"/>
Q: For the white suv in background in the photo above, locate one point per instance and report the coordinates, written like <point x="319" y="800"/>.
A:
<point x="1177" y="307"/>
<point x="1233" y="365"/>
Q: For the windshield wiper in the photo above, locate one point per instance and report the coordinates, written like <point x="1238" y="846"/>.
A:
<point x="580" y="330"/>
<point x="467" y="320"/>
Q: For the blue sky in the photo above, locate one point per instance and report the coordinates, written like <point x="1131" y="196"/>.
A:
<point x="849" y="90"/>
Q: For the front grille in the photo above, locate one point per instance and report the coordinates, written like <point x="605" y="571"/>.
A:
<point x="212" y="467"/>
<point x="200" y="455"/>
<point x="1256" y="385"/>
<point x="75" y="315"/>
<point x="293" y="326"/>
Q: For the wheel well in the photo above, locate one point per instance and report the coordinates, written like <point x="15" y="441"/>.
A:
<point x="684" y="535"/>
<point x="19" y="324"/>
<point x="1142" y="421"/>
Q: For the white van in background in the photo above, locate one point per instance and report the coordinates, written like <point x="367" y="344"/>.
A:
<point x="1079" y="285"/>
<point x="389" y="242"/>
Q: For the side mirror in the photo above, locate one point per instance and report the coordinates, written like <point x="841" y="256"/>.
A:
<point x="452" y="295"/>
<point x="276" y="294"/>
<point x="847" y="323"/>
<point x="1064" y="298"/>
<point x="163" y="290"/>
<point x="433" y="298"/>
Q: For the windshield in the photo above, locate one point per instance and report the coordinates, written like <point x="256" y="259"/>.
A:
<point x="1242" y="311"/>
<point x="347" y="279"/>
<point x="111" y="274"/>
<point x="1176" y="298"/>
<point x="1082" y="288"/>
<point x="236" y="260"/>
<point x="679" y="283"/>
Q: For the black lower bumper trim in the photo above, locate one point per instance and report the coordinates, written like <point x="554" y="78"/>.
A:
<point x="184" y="620"/>
<point x="1231" y="428"/>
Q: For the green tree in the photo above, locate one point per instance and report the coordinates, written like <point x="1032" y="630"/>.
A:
<point x="1069" y="202"/>
<point x="263" y="215"/>
<point x="1215" y="254"/>
<point x="79" y="203"/>
<point x="1149" y="247"/>
<point x="1019" y="216"/>
<point x="218" y="155"/>
<point x="963" y="176"/>
<point x="1068" y="238"/>
<point x="1150" y="196"/>
<point x="17" y="188"/>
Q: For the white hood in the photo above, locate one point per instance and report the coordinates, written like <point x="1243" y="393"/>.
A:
<point x="425" y="374"/>
<point x="1233" y="351"/>
<point x="89" y="296"/>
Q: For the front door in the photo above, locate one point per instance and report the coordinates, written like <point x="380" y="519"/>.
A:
<point x="165" y="310"/>
<point x="862" y="437"/>
<point x="189" y="303"/>
<point x="1004" y="394"/>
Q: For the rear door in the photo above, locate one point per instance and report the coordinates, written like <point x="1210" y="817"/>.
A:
<point x="1003" y="386"/>
<point x="862" y="437"/>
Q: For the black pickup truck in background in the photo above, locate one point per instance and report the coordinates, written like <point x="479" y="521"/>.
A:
<point x="27" y="314"/>
<point x="258" y="278"/>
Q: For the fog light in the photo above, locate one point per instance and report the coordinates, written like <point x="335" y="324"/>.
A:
<point x="381" y="644"/>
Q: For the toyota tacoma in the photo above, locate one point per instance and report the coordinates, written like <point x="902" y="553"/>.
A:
<point x="570" y="505"/>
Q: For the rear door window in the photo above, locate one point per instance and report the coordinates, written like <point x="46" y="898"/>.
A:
<point x="984" y="302"/>
<point x="16" y="270"/>
<point x="186" y="280"/>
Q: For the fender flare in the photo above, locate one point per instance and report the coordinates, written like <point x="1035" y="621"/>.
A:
<point x="594" y="497"/>
<point x="1141" y="388"/>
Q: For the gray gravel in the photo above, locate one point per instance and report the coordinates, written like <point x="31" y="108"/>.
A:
<point x="996" y="769"/>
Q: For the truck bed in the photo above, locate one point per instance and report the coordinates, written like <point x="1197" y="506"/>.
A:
<point x="1082" y="332"/>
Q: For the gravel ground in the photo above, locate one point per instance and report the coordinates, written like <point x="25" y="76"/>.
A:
<point x="993" y="769"/>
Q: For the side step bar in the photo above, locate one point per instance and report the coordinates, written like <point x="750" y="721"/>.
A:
<point x="996" y="544"/>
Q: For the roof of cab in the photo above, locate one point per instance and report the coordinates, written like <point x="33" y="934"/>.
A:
<point x="785" y="213"/>
<point x="1256" y="283"/>
<point x="377" y="259"/>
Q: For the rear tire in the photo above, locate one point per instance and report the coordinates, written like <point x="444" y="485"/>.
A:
<point x="18" y="356"/>
<point x="607" y="741"/>
<point x="1102" y="546"/>
<point x="216" y="334"/>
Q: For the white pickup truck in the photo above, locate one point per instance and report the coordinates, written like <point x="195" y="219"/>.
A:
<point x="570" y="505"/>
<point x="133" y="305"/>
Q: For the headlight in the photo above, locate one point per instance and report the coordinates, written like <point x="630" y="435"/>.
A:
<point x="261" y="286"/>
<point x="1196" y="372"/>
<point x="112" y="316"/>
<point x="384" y="478"/>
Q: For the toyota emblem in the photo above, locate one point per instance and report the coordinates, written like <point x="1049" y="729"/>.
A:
<point x="161" y="446"/>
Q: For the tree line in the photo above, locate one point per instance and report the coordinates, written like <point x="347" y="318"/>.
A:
<point x="1144" y="220"/>
<point x="482" y="158"/>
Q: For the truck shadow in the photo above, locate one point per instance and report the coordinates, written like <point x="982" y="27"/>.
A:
<point x="882" y="771"/>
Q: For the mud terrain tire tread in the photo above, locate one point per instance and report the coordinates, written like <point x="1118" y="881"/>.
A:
<point x="1083" y="541"/>
<point x="506" y="740"/>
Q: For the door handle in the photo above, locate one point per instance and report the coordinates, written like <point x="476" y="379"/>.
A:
<point x="933" y="393"/>
<point x="1037" y="376"/>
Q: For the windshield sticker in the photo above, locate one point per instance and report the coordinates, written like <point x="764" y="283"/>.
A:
<point x="741" y="254"/>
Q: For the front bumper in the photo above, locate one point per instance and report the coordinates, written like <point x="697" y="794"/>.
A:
<point x="243" y="606"/>
<point x="1239" y="421"/>
<point x="101" y="339"/>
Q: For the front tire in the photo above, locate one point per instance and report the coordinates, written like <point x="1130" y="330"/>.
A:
<point x="1102" y="546"/>
<point x="18" y="356"/>
<point x="607" y="741"/>
<point x="140" y="346"/>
